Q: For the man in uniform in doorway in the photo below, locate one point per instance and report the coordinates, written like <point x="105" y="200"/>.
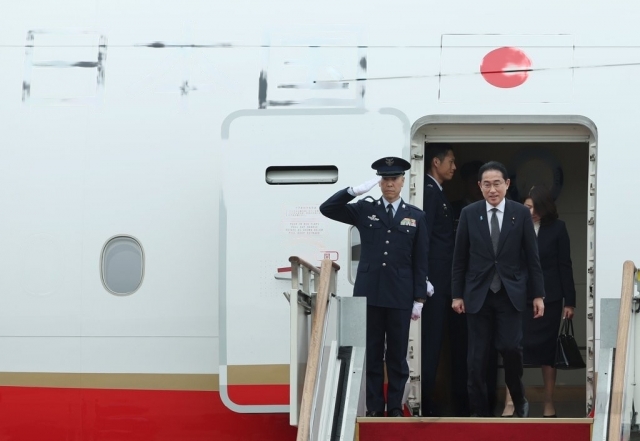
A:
<point x="392" y="275"/>
<point x="495" y="269"/>
<point x="440" y="167"/>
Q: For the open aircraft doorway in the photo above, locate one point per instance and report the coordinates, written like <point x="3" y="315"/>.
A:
<point x="558" y="152"/>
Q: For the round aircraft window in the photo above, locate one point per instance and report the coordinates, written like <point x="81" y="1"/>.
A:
<point x="122" y="265"/>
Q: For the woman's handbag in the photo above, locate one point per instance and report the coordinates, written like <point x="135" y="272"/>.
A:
<point x="567" y="353"/>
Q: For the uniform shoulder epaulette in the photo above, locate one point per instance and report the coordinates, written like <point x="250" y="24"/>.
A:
<point x="412" y="206"/>
<point x="369" y="198"/>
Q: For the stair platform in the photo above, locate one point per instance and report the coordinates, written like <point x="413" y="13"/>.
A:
<point x="475" y="429"/>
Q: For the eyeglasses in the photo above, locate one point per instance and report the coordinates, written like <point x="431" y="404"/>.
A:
<point x="487" y="185"/>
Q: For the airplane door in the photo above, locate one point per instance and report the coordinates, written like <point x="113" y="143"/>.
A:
<point x="277" y="167"/>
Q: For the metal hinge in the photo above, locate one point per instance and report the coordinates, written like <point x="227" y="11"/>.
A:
<point x="634" y="422"/>
<point x="305" y="300"/>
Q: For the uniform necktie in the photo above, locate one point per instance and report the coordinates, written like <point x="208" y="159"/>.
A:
<point x="495" y="238"/>
<point x="390" y="213"/>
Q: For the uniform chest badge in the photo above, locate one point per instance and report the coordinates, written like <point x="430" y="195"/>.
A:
<point x="408" y="222"/>
<point x="373" y="218"/>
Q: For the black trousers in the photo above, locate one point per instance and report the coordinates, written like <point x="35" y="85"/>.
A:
<point x="437" y="320"/>
<point x="497" y="323"/>
<point x="391" y="325"/>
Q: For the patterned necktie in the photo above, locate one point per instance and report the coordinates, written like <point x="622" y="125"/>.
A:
<point x="495" y="238"/>
<point x="495" y="230"/>
<point x="390" y="213"/>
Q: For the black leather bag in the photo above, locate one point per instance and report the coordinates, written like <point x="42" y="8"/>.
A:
<point x="567" y="353"/>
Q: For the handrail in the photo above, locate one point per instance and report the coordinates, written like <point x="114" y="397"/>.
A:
<point x="622" y="345"/>
<point x="315" y="346"/>
<point x="310" y="267"/>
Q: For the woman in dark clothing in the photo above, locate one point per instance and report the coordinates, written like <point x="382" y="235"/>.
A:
<point x="539" y="336"/>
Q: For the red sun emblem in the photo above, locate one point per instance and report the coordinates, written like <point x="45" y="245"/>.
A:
<point x="505" y="67"/>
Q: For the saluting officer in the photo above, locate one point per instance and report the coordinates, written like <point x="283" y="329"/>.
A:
<point x="392" y="275"/>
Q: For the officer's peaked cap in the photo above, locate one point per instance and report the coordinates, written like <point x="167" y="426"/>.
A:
<point x="390" y="166"/>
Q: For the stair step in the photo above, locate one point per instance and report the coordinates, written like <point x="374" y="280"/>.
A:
<point x="476" y="429"/>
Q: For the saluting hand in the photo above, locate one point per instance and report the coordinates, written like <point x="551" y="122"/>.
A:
<point x="458" y="306"/>
<point x="365" y="187"/>
<point x="538" y="307"/>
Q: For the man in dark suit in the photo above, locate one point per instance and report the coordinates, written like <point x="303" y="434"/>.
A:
<point x="392" y="275"/>
<point x="458" y="326"/>
<point x="495" y="260"/>
<point x="440" y="167"/>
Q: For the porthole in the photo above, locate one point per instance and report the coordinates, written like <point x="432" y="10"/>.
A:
<point x="122" y="265"/>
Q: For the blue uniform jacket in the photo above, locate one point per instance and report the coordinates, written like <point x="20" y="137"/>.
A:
<point x="393" y="266"/>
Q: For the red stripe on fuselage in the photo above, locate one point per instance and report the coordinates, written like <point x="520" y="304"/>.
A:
<point x="60" y="414"/>
<point x="259" y="395"/>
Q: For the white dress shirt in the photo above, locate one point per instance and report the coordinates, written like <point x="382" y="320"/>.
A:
<point x="499" y="213"/>
<point x="395" y="205"/>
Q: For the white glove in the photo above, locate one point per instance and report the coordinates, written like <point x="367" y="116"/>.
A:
<point x="430" y="289"/>
<point x="363" y="188"/>
<point x="417" y="310"/>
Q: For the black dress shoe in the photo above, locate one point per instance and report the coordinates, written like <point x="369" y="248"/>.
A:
<point x="522" y="409"/>
<point x="375" y="414"/>
<point x="395" y="413"/>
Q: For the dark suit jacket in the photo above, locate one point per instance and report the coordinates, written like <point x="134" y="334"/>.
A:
<point x="516" y="261"/>
<point x="439" y="215"/>
<point x="555" y="257"/>
<point x="393" y="263"/>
